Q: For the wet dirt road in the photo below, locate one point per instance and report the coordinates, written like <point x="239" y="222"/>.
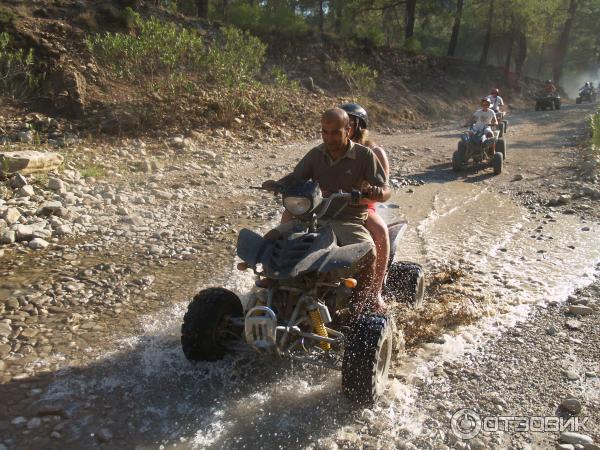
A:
<point x="143" y="394"/>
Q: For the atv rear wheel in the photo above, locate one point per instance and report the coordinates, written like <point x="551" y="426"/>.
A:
<point x="367" y="359"/>
<point x="556" y="104"/>
<point x="497" y="163"/>
<point x="578" y="100"/>
<point x="405" y="282"/>
<point x="458" y="157"/>
<point x="207" y="330"/>
<point x="501" y="147"/>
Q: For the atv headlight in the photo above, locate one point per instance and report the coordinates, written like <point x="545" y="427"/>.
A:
<point x="297" y="206"/>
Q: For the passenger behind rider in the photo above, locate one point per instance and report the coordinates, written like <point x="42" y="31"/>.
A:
<point x="377" y="227"/>
<point x="340" y="164"/>
<point x="495" y="100"/>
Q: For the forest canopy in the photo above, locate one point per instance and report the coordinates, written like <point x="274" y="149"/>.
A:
<point x="539" y="38"/>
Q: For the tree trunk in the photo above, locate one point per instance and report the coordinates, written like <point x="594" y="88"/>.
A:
<point x="455" y="28"/>
<point x="488" y="36"/>
<point x="202" y="6"/>
<point x="409" y="29"/>
<point x="321" y="15"/>
<point x="522" y="51"/>
<point x="511" y="44"/>
<point x="563" y="41"/>
<point x="338" y="9"/>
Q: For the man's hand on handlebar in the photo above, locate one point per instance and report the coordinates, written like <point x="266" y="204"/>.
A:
<point x="271" y="185"/>
<point x="374" y="193"/>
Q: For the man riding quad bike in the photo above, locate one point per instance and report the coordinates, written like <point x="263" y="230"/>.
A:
<point x="586" y="94"/>
<point x="314" y="303"/>
<point x="496" y="104"/>
<point x="548" y="98"/>
<point x="481" y="143"/>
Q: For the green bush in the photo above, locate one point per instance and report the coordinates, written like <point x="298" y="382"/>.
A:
<point x="360" y="79"/>
<point x="17" y="75"/>
<point x="236" y="58"/>
<point x="155" y="49"/>
<point x="281" y="79"/>
<point x="374" y="36"/>
<point x="412" y="45"/>
<point x="283" y="21"/>
<point x="245" y="16"/>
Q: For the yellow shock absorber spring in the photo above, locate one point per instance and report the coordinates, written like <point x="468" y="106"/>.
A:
<point x="319" y="327"/>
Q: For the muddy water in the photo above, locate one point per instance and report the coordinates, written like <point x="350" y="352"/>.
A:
<point x="149" y="396"/>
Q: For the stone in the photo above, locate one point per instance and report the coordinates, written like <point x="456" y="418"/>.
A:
<point x="572" y="405"/>
<point x="104" y="435"/>
<point x="56" y="184"/>
<point x="25" y="191"/>
<point x="38" y="244"/>
<point x="580" y="310"/>
<point x="24" y="232"/>
<point x="573" y="324"/>
<point x="571" y="375"/>
<point x="8" y="237"/>
<point x="569" y="437"/>
<point x="18" y="181"/>
<point x="52" y="208"/>
<point x="565" y="447"/>
<point x="591" y="446"/>
<point x="62" y="230"/>
<point x="11" y="215"/>
<point x="29" y="161"/>
<point x="33" y="423"/>
<point x="5" y="329"/>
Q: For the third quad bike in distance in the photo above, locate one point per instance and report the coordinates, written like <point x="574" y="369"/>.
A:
<point x="475" y="146"/>
<point x="305" y="282"/>
<point x="586" y="95"/>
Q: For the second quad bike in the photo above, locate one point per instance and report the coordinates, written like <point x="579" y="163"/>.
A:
<point x="502" y="123"/>
<point x="547" y="101"/>
<point x="304" y="298"/>
<point x="475" y="146"/>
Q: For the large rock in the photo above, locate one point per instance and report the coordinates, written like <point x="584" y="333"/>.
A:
<point x="11" y="215"/>
<point x="29" y="161"/>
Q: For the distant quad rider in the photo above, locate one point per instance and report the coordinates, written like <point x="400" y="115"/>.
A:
<point x="495" y="100"/>
<point x="549" y="87"/>
<point x="587" y="88"/>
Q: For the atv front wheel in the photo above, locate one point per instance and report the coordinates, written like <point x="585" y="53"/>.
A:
<point x="557" y="104"/>
<point x="367" y="359"/>
<point x="578" y="101"/>
<point x="208" y="330"/>
<point x="405" y="282"/>
<point x="497" y="163"/>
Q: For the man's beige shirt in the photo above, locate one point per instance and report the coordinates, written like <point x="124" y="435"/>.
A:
<point x="356" y="169"/>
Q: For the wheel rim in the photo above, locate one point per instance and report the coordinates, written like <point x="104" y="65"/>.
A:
<point x="384" y="356"/>
<point x="420" y="292"/>
<point x="224" y="332"/>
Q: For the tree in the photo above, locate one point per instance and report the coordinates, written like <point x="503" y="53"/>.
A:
<point x="202" y="6"/>
<point x="560" y="50"/>
<point x="488" y="36"/>
<point x="411" y="7"/>
<point x="455" y="27"/>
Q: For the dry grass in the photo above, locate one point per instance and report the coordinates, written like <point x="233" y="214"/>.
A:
<point x="447" y="306"/>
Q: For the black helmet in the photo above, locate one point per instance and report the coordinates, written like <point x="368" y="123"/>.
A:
<point x="355" y="110"/>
